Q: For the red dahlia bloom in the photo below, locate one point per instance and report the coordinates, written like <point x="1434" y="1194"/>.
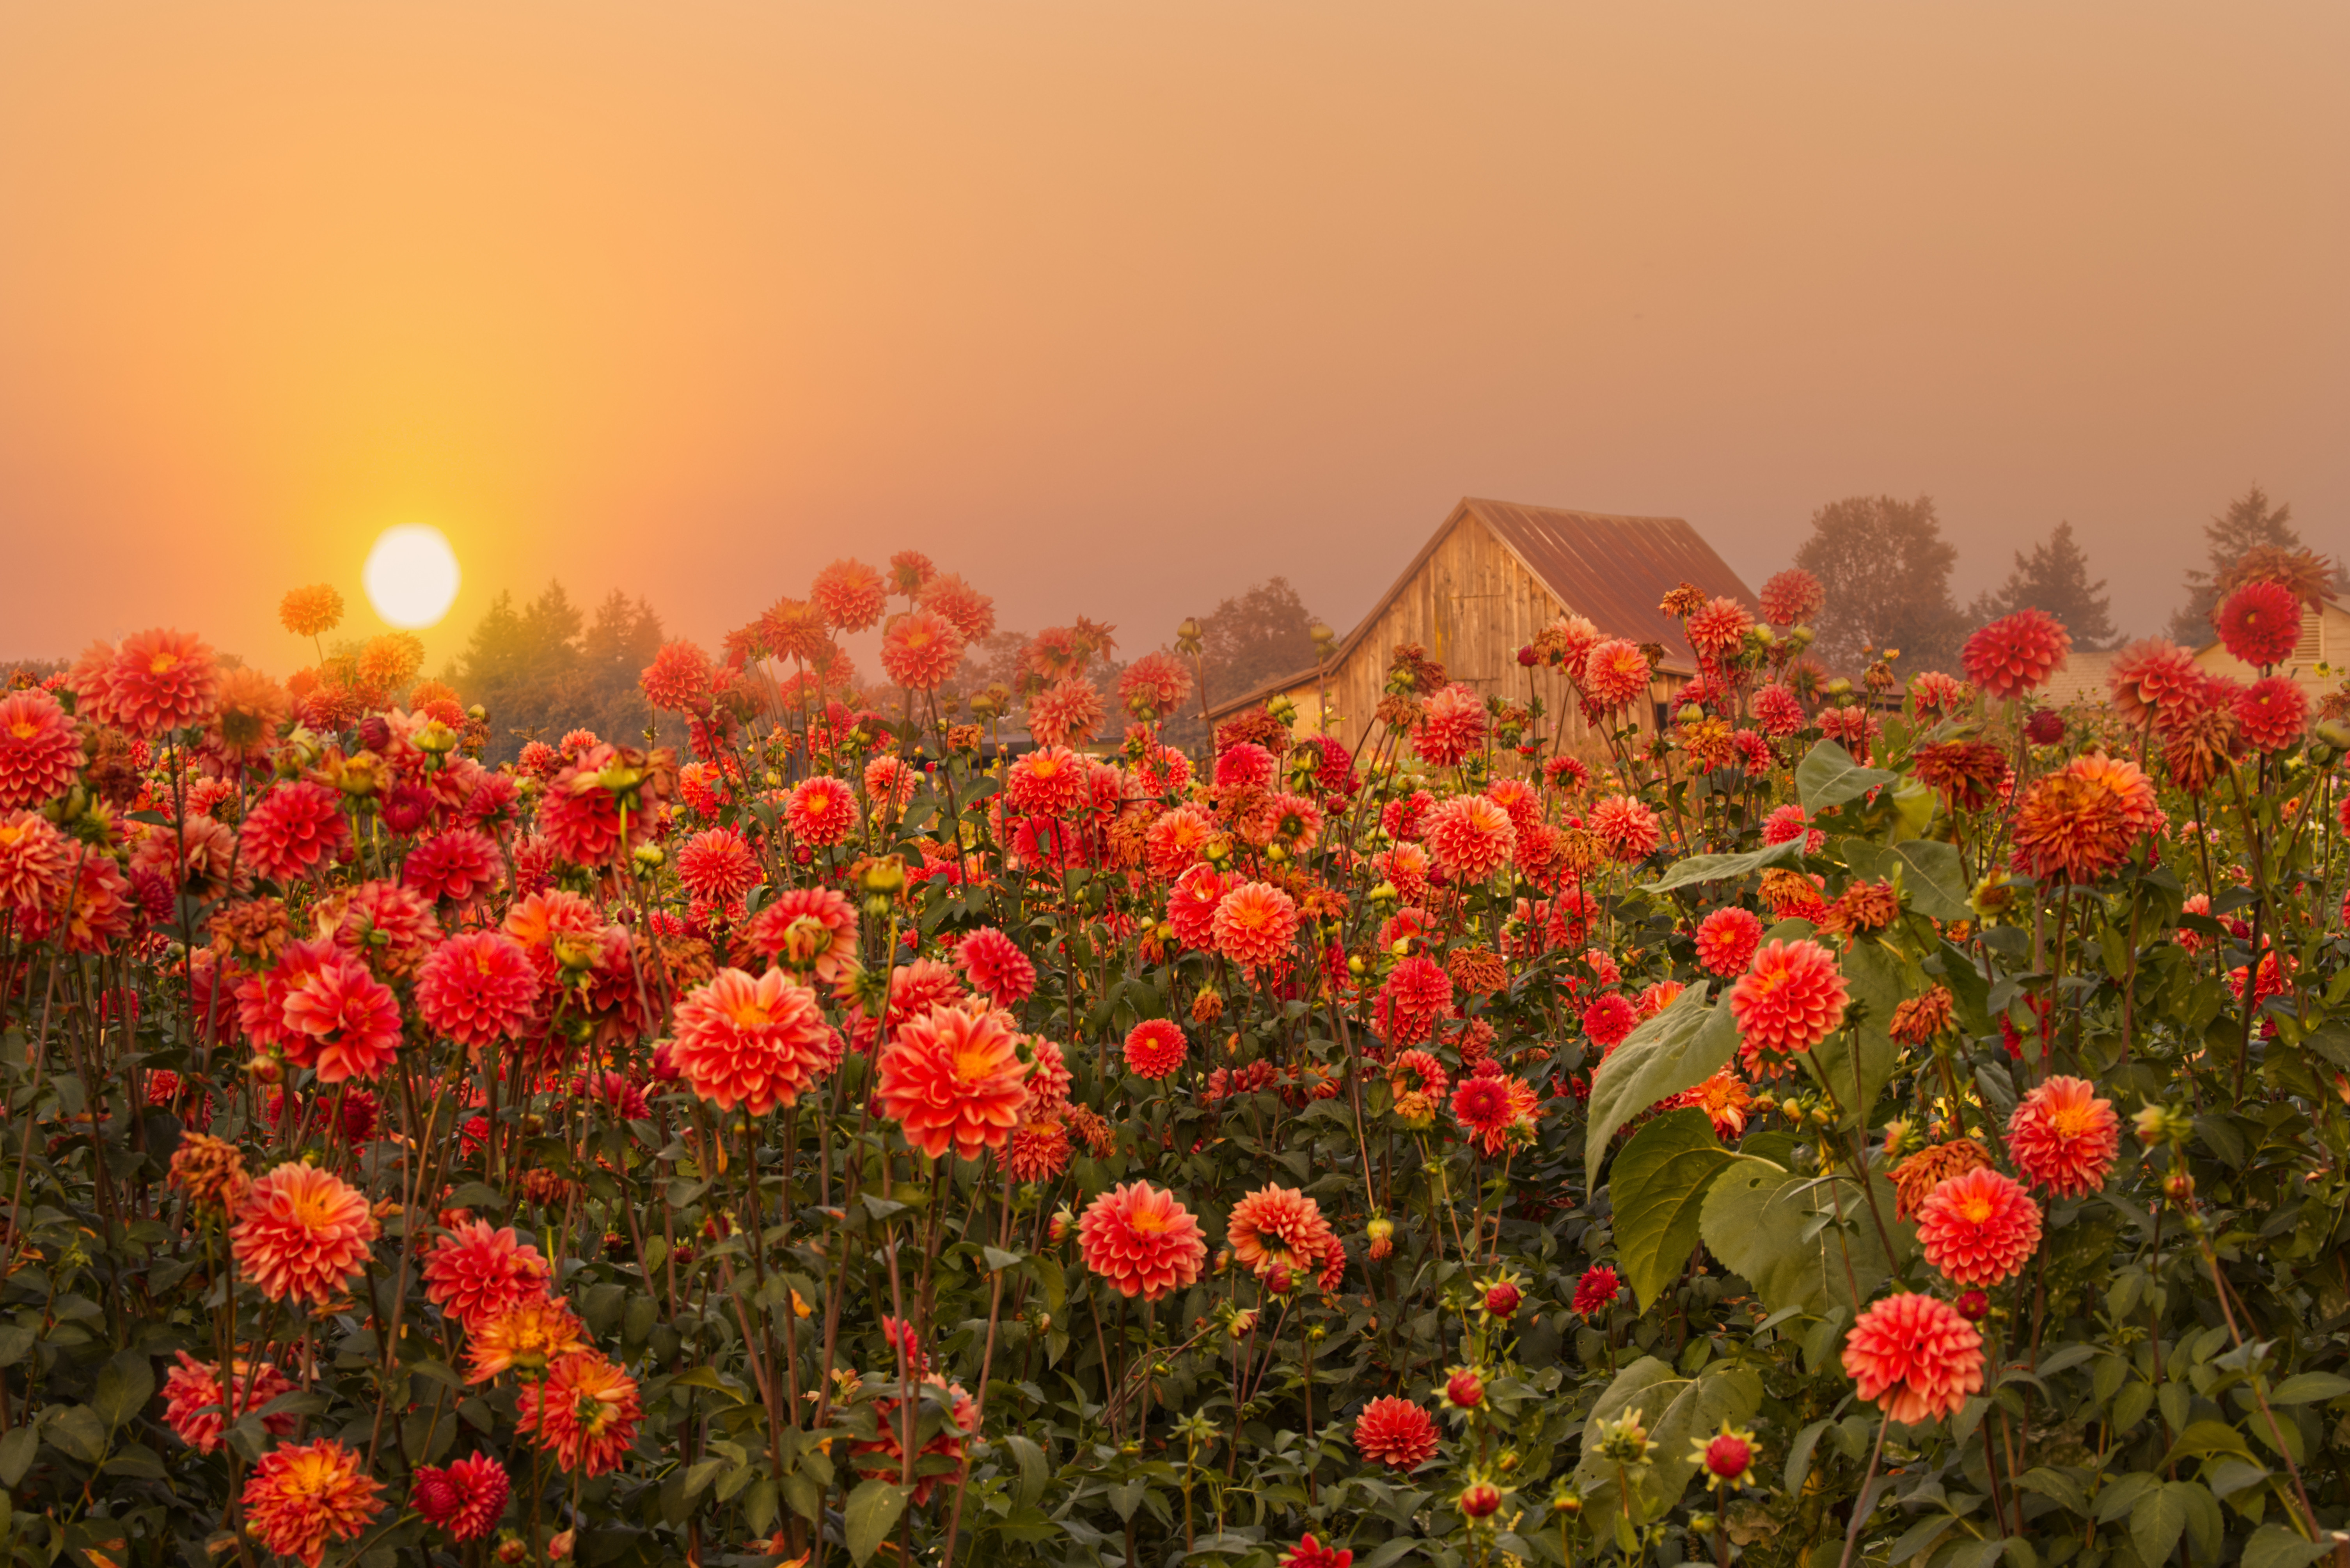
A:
<point x="2017" y="653"/>
<point x="995" y="965"/>
<point x="478" y="989"/>
<point x="758" y="1044"/>
<point x="807" y="931"/>
<point x="40" y="756"/>
<point x="1915" y="1357"/>
<point x="196" y="1406"/>
<point x="454" y="865"/>
<point x="1629" y="829"/>
<point x="1726" y="940"/>
<point x="717" y="867"/>
<point x="2260" y="622"/>
<point x="1596" y="1290"/>
<point x="478" y="1270"/>
<point x="585" y="1411"/>
<point x="821" y="811"/>
<point x="292" y="830"/>
<point x="921" y="649"/>
<point x="466" y="1499"/>
<point x="2150" y="676"/>
<point x="1396" y="1433"/>
<point x="1615" y="675"/>
<point x="1471" y="837"/>
<point x="850" y="595"/>
<point x="1452" y="727"/>
<point x="1608" y="1020"/>
<point x="1139" y="1238"/>
<point x="160" y="681"/>
<point x="1155" y="1048"/>
<point x="1792" y="597"/>
<point x="2273" y="712"/>
<point x="1979" y="1228"/>
<point x="1311" y="1553"/>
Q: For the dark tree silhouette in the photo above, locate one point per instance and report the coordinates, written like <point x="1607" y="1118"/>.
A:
<point x="1886" y="569"/>
<point x="2054" y="579"/>
<point x="543" y="670"/>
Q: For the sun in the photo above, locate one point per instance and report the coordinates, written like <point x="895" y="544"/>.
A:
<point x="411" y="576"/>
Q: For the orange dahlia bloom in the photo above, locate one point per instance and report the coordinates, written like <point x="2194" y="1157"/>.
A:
<point x="1174" y="843"/>
<point x="2079" y="823"/>
<point x="1396" y="1433"/>
<point x="40" y="756"/>
<point x="1471" y="837"/>
<point x="995" y="965"/>
<point x="1256" y="922"/>
<point x="313" y="611"/>
<point x="1789" y="1000"/>
<point x="807" y="931"/>
<point x="195" y="1406"/>
<point x="584" y="1412"/>
<point x="850" y="595"/>
<point x="679" y="680"/>
<point x="921" y="650"/>
<point x="301" y="1497"/>
<point x="1048" y="781"/>
<point x="2064" y="1138"/>
<point x="1139" y="1238"/>
<point x="294" y="829"/>
<point x="1451" y="726"/>
<point x="821" y="811"/>
<point x="954" y="1080"/>
<point x="478" y="989"/>
<point x="1726" y="940"/>
<point x="1979" y="1228"/>
<point x="1915" y="1357"/>
<point x="532" y="1332"/>
<point x="2017" y="653"/>
<point x="302" y="1232"/>
<point x="37" y="864"/>
<point x="1066" y="712"/>
<point x="162" y="680"/>
<point x="1919" y="1175"/>
<point x="1629" y="829"/>
<point x="1615" y="674"/>
<point x="1039" y="1149"/>
<point x="478" y="1270"/>
<point x="2151" y="675"/>
<point x="1279" y="1227"/>
<point x="1155" y="1048"/>
<point x="759" y="1044"/>
<point x="1724" y="1098"/>
<point x="717" y="867"/>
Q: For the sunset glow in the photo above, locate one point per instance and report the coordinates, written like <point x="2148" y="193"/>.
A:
<point x="412" y="577"/>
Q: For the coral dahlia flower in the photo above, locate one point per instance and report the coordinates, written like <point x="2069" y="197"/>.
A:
<point x="1451" y="726"/>
<point x="1719" y="629"/>
<point x="1608" y="1020"/>
<point x="1935" y="694"/>
<point x="1155" y="1048"/>
<point x="1494" y="1110"/>
<point x="531" y="1332"/>
<point x="466" y="1499"/>
<point x="1615" y="675"/>
<point x="717" y="867"/>
<point x="1066" y="712"/>
<point x="341" y="1020"/>
<point x="584" y="1412"/>
<point x="2260" y="622"/>
<point x="1310" y="1552"/>
<point x="40" y="756"/>
<point x="478" y="989"/>
<point x="196" y="1406"/>
<point x="1244" y="765"/>
<point x="2151" y="675"/>
<point x="1256" y="923"/>
<point x="1048" y="781"/>
<point x="1174" y="843"/>
<point x="37" y="864"/>
<point x="2017" y="653"/>
<point x="478" y="1270"/>
<point x="304" y="1495"/>
<point x="821" y="811"/>
<point x="1629" y="829"/>
<point x="1792" y="597"/>
<point x="921" y="650"/>
<point x="967" y="610"/>
<point x="678" y="680"/>
<point x="301" y="1231"/>
<point x="2272" y="711"/>
<point x="1154" y="686"/>
<point x="1915" y="1179"/>
<point x="807" y="931"/>
<point x="1780" y="712"/>
<point x="1039" y="1149"/>
<point x="160" y="681"/>
<point x="850" y="595"/>
<point x="1979" y="1228"/>
<point x="1788" y="1000"/>
<point x="1726" y="940"/>
<point x="293" y="830"/>
<point x="758" y="1044"/>
<point x="1278" y="1228"/>
<point x="2078" y="823"/>
<point x="1396" y="1433"/>
<point x="1139" y="1238"/>
<point x="1915" y="1357"/>
<point x="454" y="865"/>
<point x="1471" y="838"/>
<point x="2064" y="1138"/>
<point x="996" y="966"/>
<point x="953" y="1081"/>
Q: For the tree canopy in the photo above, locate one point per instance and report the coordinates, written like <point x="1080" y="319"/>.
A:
<point x="543" y="669"/>
<point x="2054" y="579"/>
<point x="1886" y="570"/>
<point x="2250" y="521"/>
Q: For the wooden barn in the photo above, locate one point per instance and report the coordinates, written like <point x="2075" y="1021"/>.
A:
<point x="1490" y="577"/>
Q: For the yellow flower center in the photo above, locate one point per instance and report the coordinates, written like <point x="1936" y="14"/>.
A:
<point x="1977" y="1210"/>
<point x="22" y="729"/>
<point x="1150" y="1222"/>
<point x="748" y="1013"/>
<point x="163" y="663"/>
<point x="973" y="1063"/>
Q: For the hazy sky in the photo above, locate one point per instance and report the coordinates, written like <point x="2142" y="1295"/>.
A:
<point x="1117" y="307"/>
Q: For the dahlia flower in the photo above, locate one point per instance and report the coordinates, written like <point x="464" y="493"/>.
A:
<point x="850" y="595"/>
<point x="1278" y="1228"/>
<point x="1915" y="1179"/>
<point x="1143" y="1242"/>
<point x="2260" y="622"/>
<point x="2151" y="675"/>
<point x="807" y="930"/>
<point x="884" y="1456"/>
<point x="1492" y="1111"/>
<point x="966" y="610"/>
<point x="996" y="967"/>
<point x="1935" y="694"/>
<point x="1615" y="675"/>
<point x="1780" y="712"/>
<point x="301" y="1231"/>
<point x="1789" y="1000"/>
<point x="1048" y="781"/>
<point x="478" y="989"/>
<point x="1792" y="597"/>
<point x="953" y="1081"/>
<point x="466" y="1498"/>
<point x="160" y="681"/>
<point x="717" y="867"/>
<point x="531" y="1332"/>
<point x="821" y="811"/>
<point x="679" y="680"/>
<point x="1174" y="843"/>
<point x="197" y="1409"/>
<point x="40" y="756"/>
<point x="341" y="1020"/>
<point x="1719" y="629"/>
<point x="1471" y="838"/>
<point x="478" y="1270"/>
<point x="2017" y="653"/>
<point x="1970" y="775"/>
<point x="210" y="1170"/>
<point x="585" y="1411"/>
<point x="1155" y="1048"/>
<point x="2078" y="823"/>
<point x="1310" y="1552"/>
<point x="1396" y="1433"/>
<point x="1155" y="685"/>
<point x="1256" y="923"/>
<point x="1726" y="940"/>
<point x="1607" y="1020"/>
<point x="758" y="1044"/>
<point x="1452" y="727"/>
<point x="1596" y="1290"/>
<point x="293" y="830"/>
<point x="2273" y="712"/>
<point x="304" y="1495"/>
<point x="1629" y="829"/>
<point x="1979" y="1228"/>
<point x="1039" y="1149"/>
<point x="1915" y="1357"/>
<point x="313" y="611"/>
<point x="1066" y="712"/>
<point x="37" y="864"/>
<point x="2064" y="1138"/>
<point x="454" y="865"/>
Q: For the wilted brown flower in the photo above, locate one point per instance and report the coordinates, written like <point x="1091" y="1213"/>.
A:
<point x="1686" y="599"/>
<point x="210" y="1170"/>
<point x="1207" y="1007"/>
<point x="1921" y="1018"/>
<point x="1479" y="971"/>
<point x="1922" y="1172"/>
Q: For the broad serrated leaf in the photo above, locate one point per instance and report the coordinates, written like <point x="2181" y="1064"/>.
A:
<point x="1827" y="776"/>
<point x="1932" y="877"/>
<point x="1657" y="1187"/>
<point x="872" y="1512"/>
<point x="2154" y="1523"/>
<point x="1724" y="868"/>
<point x="2309" y="1388"/>
<point x="2278" y="1547"/>
<point x="124" y="1384"/>
<point x="1681" y="1047"/>
<point x="1774" y="1227"/>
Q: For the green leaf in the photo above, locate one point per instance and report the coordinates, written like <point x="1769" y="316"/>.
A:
<point x="998" y="1258"/>
<point x="78" y="1431"/>
<point x="1034" y="1474"/>
<point x="1827" y="776"/>
<point x="1724" y="868"/>
<point x="1657" y="1186"/>
<point x="2309" y="1388"/>
<point x="872" y="1513"/>
<point x="124" y="1384"/>
<point x="2154" y="1523"/>
<point x="1678" y="1049"/>
<point x="2277" y="1546"/>
<point x="1765" y="1223"/>
<point x="1931" y="875"/>
<point x="16" y="1451"/>
<point x="1675" y="1409"/>
<point x="699" y="1478"/>
<point x="703" y="1377"/>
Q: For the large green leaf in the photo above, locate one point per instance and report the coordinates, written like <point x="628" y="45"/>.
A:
<point x="1777" y="1229"/>
<point x="1827" y="776"/>
<point x="1723" y="868"/>
<point x="1657" y="1186"/>
<point x="1675" y="1409"/>
<point x="873" y="1511"/>
<point x="2278" y="1547"/>
<point x="1930" y="873"/>
<point x="1681" y="1047"/>
<point x="1879" y="982"/>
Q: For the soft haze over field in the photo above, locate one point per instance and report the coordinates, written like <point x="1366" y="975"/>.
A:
<point x="691" y="299"/>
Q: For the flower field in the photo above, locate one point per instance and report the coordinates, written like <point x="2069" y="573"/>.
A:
<point x="1815" y="1121"/>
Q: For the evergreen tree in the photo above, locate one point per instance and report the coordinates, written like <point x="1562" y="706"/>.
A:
<point x="2054" y="579"/>
<point x="541" y="669"/>
<point x="1886" y="570"/>
<point x="2248" y="522"/>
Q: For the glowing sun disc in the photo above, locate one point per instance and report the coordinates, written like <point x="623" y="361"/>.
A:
<point x="411" y="576"/>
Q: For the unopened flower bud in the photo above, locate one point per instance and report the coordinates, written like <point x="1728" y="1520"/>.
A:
<point x="1973" y="1305"/>
<point x="1480" y="1499"/>
<point x="1466" y="1390"/>
<point x="1502" y="1298"/>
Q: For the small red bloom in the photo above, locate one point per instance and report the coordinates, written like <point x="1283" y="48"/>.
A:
<point x="1915" y="1357"/>
<point x="1396" y="1433"/>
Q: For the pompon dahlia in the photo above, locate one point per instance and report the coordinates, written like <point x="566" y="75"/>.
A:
<point x="1471" y="838"/>
<point x="2260" y="622"/>
<point x="1979" y="1228"/>
<point x="1278" y="1228"/>
<point x="1628" y="829"/>
<point x="2017" y="653"/>
<point x="293" y="830"/>
<point x="1788" y="1000"/>
<point x="478" y="989"/>
<point x="162" y="680"/>
<point x="996" y="967"/>
<point x="717" y="867"/>
<point x="850" y="595"/>
<point x="1915" y="1357"/>
<point x="1048" y="781"/>
<point x="2080" y="822"/>
<point x="1615" y="675"/>
<point x="953" y="1081"/>
<point x="921" y="650"/>
<point x="478" y="1271"/>
<point x="466" y="1499"/>
<point x="1451" y="726"/>
<point x="2272" y="711"/>
<point x="1780" y="712"/>
<point x="2151" y="675"/>
<point x="1726" y="940"/>
<point x="40" y="756"/>
<point x="304" y="1495"/>
<point x="301" y="1231"/>
<point x="1256" y="923"/>
<point x="807" y="930"/>
<point x="2064" y="1138"/>
<point x="1396" y="1433"/>
<point x="584" y="1412"/>
<point x="1608" y="1020"/>
<point x="758" y="1044"/>
<point x="821" y="811"/>
<point x="1792" y="597"/>
<point x="1155" y="1048"/>
<point x="313" y="611"/>
<point x="1139" y="1238"/>
<point x="196" y="1406"/>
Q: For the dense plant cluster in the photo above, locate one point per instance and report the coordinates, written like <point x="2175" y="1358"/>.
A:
<point x="1862" y="1119"/>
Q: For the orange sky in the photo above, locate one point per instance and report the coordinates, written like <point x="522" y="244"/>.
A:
<point x="1117" y="307"/>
